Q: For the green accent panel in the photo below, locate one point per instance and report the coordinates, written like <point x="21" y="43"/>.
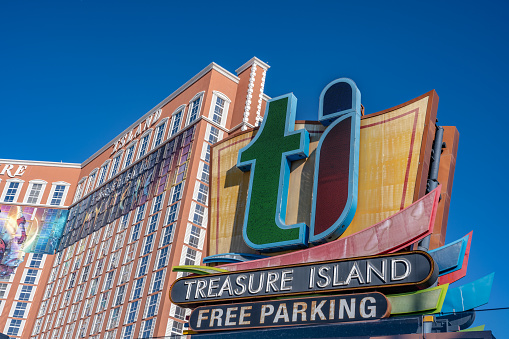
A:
<point x="427" y="301"/>
<point x="474" y="329"/>
<point x="201" y="270"/>
<point x="261" y="226"/>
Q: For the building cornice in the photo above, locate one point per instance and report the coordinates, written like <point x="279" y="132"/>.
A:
<point x="40" y="163"/>
<point x="253" y="60"/>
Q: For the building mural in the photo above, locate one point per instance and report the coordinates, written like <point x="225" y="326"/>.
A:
<point x="28" y="230"/>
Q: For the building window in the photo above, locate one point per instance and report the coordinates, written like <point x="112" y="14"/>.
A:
<point x="203" y="192"/>
<point x="213" y="135"/>
<point x="93" y="287"/>
<point x="218" y="111"/>
<point x="108" y="281"/>
<point x="12" y="190"/>
<point x="19" y="311"/>
<point x="147" y="246"/>
<point x="129" y="155"/>
<point x="180" y="313"/>
<point x="3" y="290"/>
<point x="125" y="275"/>
<point x="167" y="237"/>
<point x="152" y="306"/>
<point x="82" y="328"/>
<point x="135" y="233"/>
<point x="152" y="223"/>
<point x="138" y="288"/>
<point x="219" y="108"/>
<point x="102" y="173"/>
<point x="98" y="321"/>
<point x="205" y="153"/>
<point x="122" y="225"/>
<point x="114" y="317"/>
<point x="177" y="328"/>
<point x="144" y="144"/>
<point x="176" y="194"/>
<point x="30" y="277"/>
<point x="68" y="331"/>
<point x="159" y="134"/>
<point x="103" y="301"/>
<point x="79" y="293"/>
<point x="79" y="189"/>
<point x="35" y="189"/>
<point x="90" y="182"/>
<point x="157" y="203"/>
<point x="190" y="256"/>
<point x="176" y="120"/>
<point x="14" y="327"/>
<point x="157" y="282"/>
<point x="199" y="212"/>
<point x="116" y="164"/>
<point x="142" y="268"/>
<point x="132" y="311"/>
<point x="36" y="260"/>
<point x="58" y="193"/>
<point x="148" y="327"/>
<point x="130" y="252"/>
<point x="128" y="332"/>
<point x="194" y="108"/>
<point x="194" y="236"/>
<point x="140" y="211"/>
<point x="25" y="293"/>
<point x="204" y="172"/>
<point x="163" y="257"/>
<point x="119" y="295"/>
<point x="119" y="241"/>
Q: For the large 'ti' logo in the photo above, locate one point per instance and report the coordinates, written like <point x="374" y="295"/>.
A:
<point x="269" y="155"/>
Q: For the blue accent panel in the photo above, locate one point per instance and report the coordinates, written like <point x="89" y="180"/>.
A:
<point x="450" y="257"/>
<point x="284" y="178"/>
<point x="335" y="230"/>
<point x="232" y="257"/>
<point x="327" y="118"/>
<point x="468" y="296"/>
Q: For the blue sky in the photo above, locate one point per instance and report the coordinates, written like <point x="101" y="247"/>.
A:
<point x="74" y="74"/>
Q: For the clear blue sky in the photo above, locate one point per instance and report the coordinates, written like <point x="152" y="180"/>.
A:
<point x="74" y="74"/>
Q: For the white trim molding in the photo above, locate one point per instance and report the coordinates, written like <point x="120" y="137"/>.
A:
<point x="40" y="163"/>
<point x="249" y="97"/>
<point x="259" y="118"/>
<point x="252" y="61"/>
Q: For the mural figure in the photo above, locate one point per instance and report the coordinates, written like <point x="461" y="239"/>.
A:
<point x="11" y="244"/>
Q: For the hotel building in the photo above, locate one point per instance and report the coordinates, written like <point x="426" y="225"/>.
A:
<point x="136" y="207"/>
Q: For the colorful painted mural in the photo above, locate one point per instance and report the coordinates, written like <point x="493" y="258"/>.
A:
<point x="28" y="230"/>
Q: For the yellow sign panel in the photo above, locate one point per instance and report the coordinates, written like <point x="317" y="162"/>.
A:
<point x="391" y="144"/>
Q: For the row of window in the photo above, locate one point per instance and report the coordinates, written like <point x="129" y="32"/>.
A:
<point x="97" y="177"/>
<point x="139" y="273"/>
<point x="35" y="192"/>
<point x="157" y="278"/>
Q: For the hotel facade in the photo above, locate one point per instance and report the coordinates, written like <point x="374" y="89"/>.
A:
<point x="134" y="209"/>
